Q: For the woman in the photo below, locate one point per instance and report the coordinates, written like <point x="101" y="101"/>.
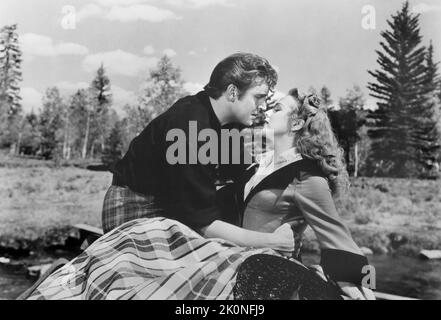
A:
<point x="295" y="183"/>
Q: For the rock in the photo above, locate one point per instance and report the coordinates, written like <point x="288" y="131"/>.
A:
<point x="397" y="240"/>
<point x="430" y="254"/>
<point x="381" y="249"/>
<point x="381" y="187"/>
<point x="366" y="251"/>
<point x="4" y="260"/>
<point x="37" y="271"/>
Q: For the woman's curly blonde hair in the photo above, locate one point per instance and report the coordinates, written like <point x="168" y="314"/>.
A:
<point x="316" y="141"/>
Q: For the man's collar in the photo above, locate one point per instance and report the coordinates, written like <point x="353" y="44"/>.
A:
<point x="205" y="100"/>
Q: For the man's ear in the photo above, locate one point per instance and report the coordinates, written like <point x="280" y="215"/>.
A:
<point x="297" y="124"/>
<point x="231" y="93"/>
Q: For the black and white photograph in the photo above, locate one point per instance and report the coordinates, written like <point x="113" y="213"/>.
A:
<point x="231" y="150"/>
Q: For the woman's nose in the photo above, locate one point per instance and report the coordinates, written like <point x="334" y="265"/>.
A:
<point x="269" y="113"/>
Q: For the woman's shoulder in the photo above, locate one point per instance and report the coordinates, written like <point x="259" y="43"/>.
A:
<point x="307" y="168"/>
<point x="309" y="178"/>
<point x="304" y="171"/>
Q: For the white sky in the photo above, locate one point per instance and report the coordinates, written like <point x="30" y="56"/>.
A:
<point x="312" y="42"/>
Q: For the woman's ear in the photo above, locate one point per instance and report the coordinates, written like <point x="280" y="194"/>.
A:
<point x="231" y="93"/>
<point x="297" y="124"/>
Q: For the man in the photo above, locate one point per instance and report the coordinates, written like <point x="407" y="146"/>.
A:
<point x="145" y="184"/>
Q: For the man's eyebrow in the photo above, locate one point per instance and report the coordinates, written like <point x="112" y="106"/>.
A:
<point x="261" y="95"/>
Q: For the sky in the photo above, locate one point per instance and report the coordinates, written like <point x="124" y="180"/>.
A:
<point x="310" y="42"/>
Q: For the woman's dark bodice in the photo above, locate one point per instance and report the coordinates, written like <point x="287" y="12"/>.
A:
<point x="271" y="203"/>
<point x="299" y="194"/>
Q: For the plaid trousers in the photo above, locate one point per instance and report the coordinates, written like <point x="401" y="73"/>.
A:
<point x="122" y="205"/>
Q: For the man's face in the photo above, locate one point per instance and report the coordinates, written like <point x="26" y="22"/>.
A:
<point x="254" y="97"/>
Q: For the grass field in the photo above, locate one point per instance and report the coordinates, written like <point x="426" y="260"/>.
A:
<point x="37" y="200"/>
<point x="375" y="208"/>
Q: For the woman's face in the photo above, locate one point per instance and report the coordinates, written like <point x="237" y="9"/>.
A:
<point x="278" y="118"/>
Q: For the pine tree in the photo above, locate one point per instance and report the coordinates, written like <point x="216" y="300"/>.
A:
<point x="51" y="124"/>
<point x="30" y="141"/>
<point x="10" y="70"/>
<point x="325" y="96"/>
<point x="10" y="77"/>
<point x="346" y="122"/>
<point x="432" y="77"/>
<point x="163" y="87"/>
<point x="78" y="116"/>
<point x="114" y="144"/>
<point x="135" y="121"/>
<point x="427" y="130"/>
<point x="100" y="102"/>
<point x="401" y="87"/>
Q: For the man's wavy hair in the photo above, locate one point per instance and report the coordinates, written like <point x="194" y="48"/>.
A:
<point x="316" y="141"/>
<point x="244" y="70"/>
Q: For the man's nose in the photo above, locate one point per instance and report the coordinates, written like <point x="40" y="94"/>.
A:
<point x="262" y="105"/>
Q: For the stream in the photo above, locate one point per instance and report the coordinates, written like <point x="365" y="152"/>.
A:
<point x="403" y="276"/>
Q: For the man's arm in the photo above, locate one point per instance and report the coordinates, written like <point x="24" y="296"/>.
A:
<point x="195" y="206"/>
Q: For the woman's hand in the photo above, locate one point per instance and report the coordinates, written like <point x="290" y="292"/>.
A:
<point x="356" y="293"/>
<point x="283" y="240"/>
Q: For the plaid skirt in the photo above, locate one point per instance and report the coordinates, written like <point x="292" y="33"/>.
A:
<point x="122" y="205"/>
<point x="153" y="258"/>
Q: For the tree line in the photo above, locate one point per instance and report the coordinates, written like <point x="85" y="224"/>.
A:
<point x="400" y="138"/>
<point x="83" y="125"/>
